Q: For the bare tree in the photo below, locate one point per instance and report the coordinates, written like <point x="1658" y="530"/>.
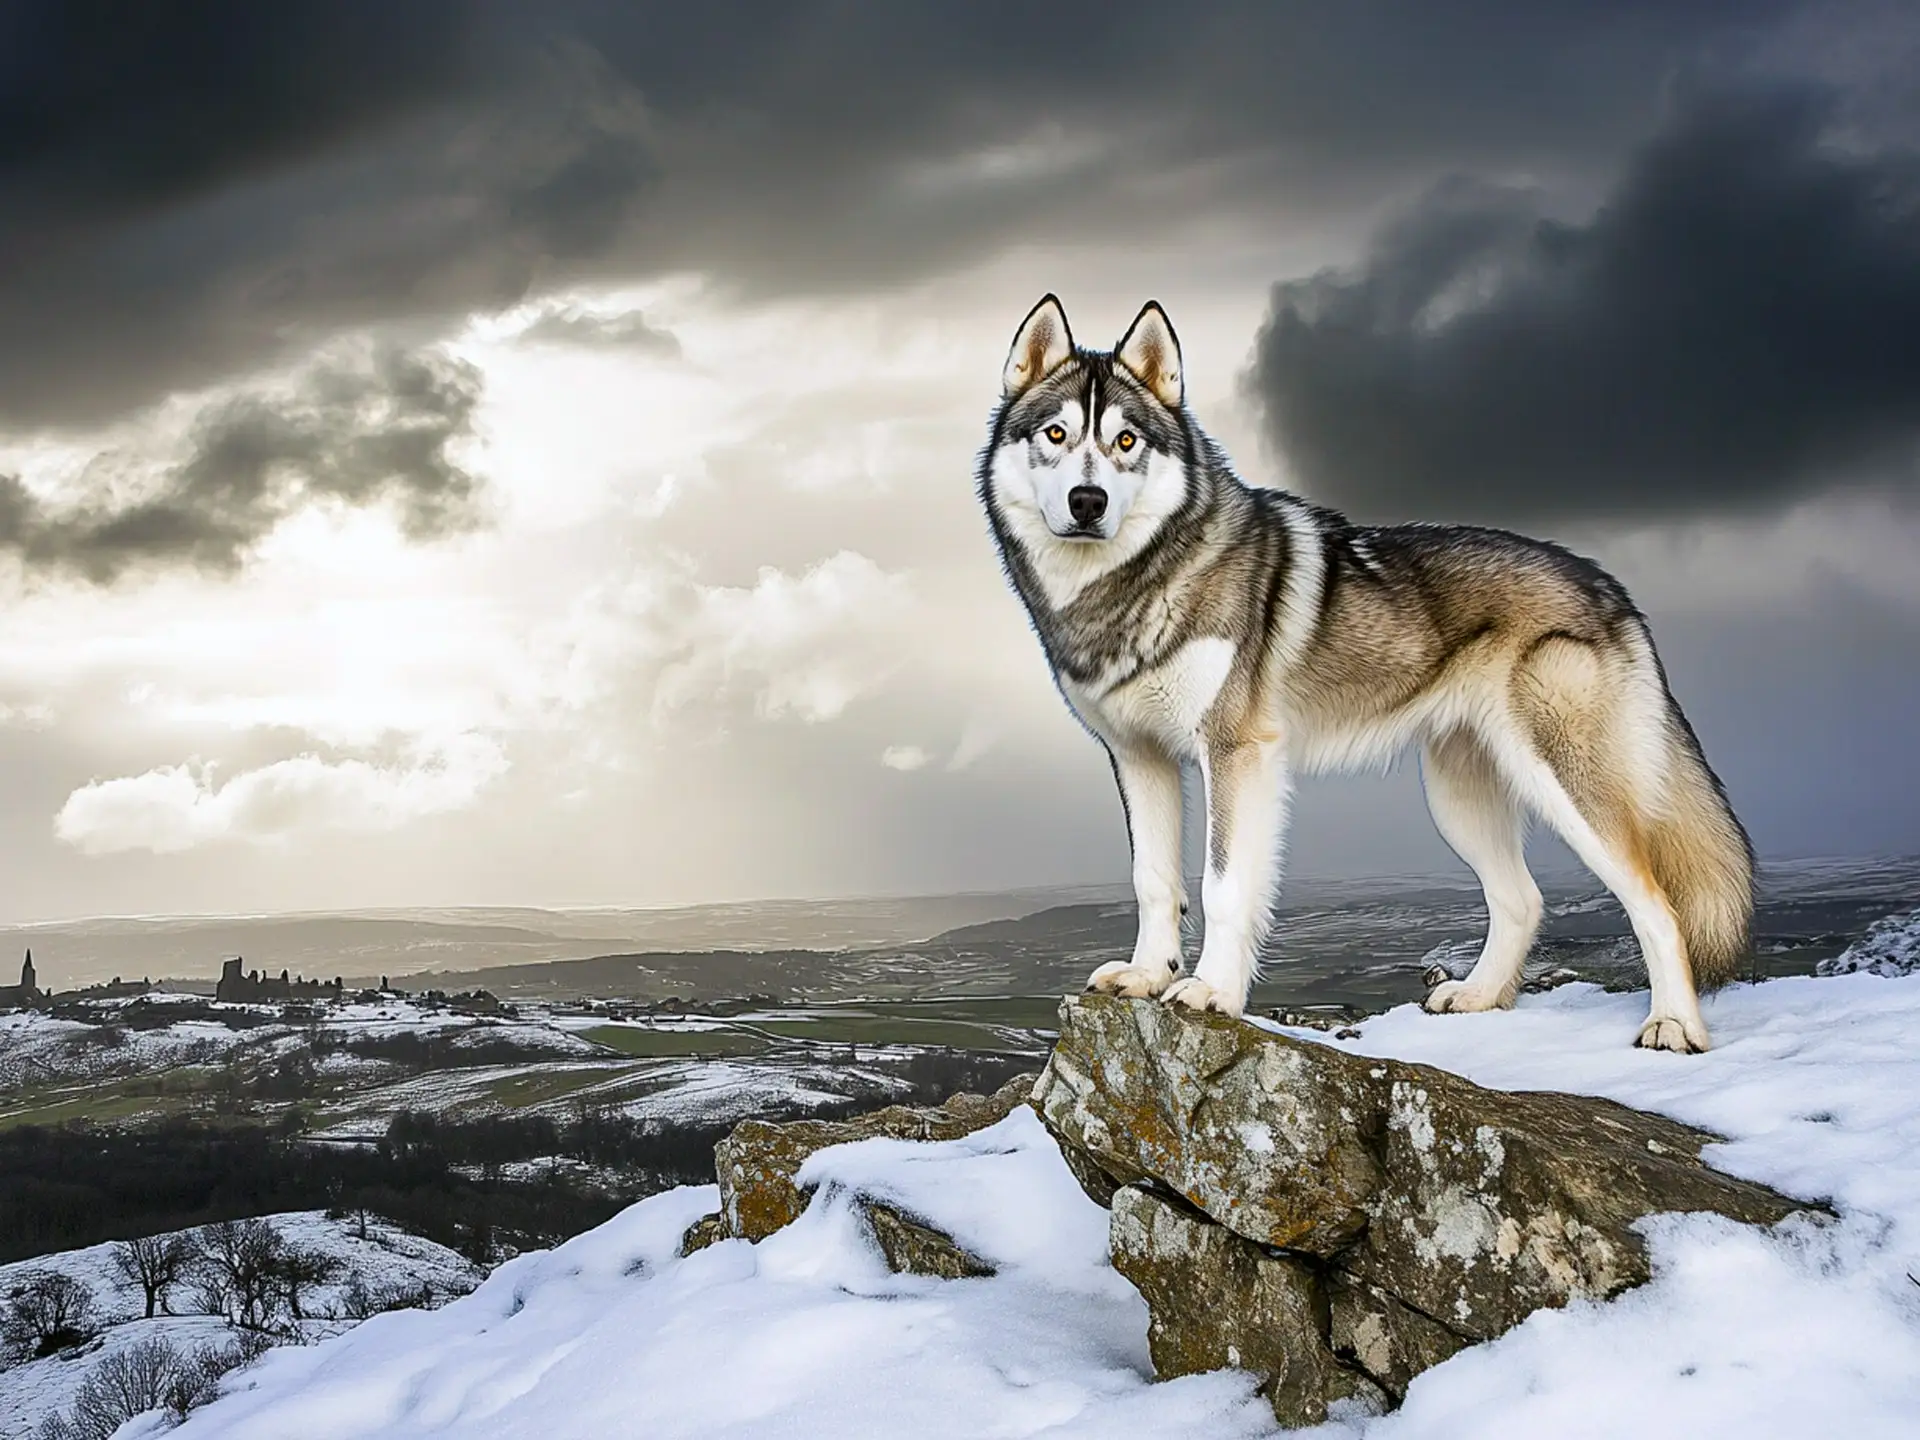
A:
<point x="47" y="1311"/>
<point x="154" y="1264"/>
<point x="236" y="1268"/>
<point x="297" y="1270"/>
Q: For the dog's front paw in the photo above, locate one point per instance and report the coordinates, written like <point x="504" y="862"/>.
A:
<point x="1197" y="994"/>
<point x="1132" y="981"/>
<point x="1669" y="1032"/>
<point x="1458" y="997"/>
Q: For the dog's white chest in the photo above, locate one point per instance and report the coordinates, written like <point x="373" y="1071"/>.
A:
<point x="1166" y="701"/>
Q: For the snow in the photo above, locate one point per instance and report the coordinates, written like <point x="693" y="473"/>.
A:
<point x="1813" y="1329"/>
<point x="44" y="1387"/>
<point x="719" y="1091"/>
<point x="1890" y="947"/>
<point x="805" y="1333"/>
<point x="385" y="1258"/>
<point x="38" y="1049"/>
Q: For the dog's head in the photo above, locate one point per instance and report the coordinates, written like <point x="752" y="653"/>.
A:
<point x="1089" y="447"/>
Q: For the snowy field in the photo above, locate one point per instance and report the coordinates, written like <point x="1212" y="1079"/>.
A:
<point x="1811" y="1331"/>
<point x="38" y="1049"/>
<point x="386" y="1258"/>
<point x="370" y="1059"/>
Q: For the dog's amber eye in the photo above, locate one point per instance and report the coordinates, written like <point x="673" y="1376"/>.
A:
<point x="1056" y="434"/>
<point x="1126" y="440"/>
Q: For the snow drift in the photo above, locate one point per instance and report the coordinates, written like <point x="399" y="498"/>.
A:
<point x="1810" y="1330"/>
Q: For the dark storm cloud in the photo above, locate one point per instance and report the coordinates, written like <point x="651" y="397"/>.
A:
<point x="1736" y="327"/>
<point x="629" y="330"/>
<point x="376" y="431"/>
<point x="159" y="240"/>
<point x="189" y="190"/>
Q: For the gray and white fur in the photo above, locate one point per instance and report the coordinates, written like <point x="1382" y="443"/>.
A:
<point x="1189" y="617"/>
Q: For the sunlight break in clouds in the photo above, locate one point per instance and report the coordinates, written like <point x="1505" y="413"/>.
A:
<point x="809" y="645"/>
<point x="904" y="757"/>
<point x="179" y="807"/>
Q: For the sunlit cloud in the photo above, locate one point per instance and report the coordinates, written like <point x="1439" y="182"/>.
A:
<point x="182" y="807"/>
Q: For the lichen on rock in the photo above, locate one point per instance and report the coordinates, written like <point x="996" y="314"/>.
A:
<point x="1347" y="1222"/>
<point x="912" y="1246"/>
<point x="757" y="1162"/>
<point x="1216" y="1301"/>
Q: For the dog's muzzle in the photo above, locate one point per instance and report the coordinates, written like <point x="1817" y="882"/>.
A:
<point x="1086" y="504"/>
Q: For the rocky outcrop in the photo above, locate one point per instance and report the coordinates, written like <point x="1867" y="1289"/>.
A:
<point x="1216" y="1300"/>
<point x="1343" y="1223"/>
<point x="758" y="1162"/>
<point x="707" y="1230"/>
<point x="920" y="1249"/>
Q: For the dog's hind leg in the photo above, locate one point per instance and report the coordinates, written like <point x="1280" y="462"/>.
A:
<point x="1149" y="781"/>
<point x="1247" y="793"/>
<point x="1476" y="814"/>
<point x="1579" y="760"/>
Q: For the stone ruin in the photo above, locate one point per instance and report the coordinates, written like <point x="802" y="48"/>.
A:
<point x="240" y="987"/>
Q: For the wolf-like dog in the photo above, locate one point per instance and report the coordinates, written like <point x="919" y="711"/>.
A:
<point x="1190" y="617"/>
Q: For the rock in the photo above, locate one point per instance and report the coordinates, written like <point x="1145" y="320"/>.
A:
<point x="705" y="1231"/>
<point x="1258" y="1131"/>
<point x="920" y="1249"/>
<point x="1317" y="1017"/>
<point x="1408" y="1210"/>
<point x="1385" y="1339"/>
<point x="1216" y="1300"/>
<point x="1084" y="1168"/>
<point x="1501" y="1204"/>
<point x="756" y="1163"/>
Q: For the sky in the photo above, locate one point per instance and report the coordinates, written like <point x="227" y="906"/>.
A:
<point x="494" y="453"/>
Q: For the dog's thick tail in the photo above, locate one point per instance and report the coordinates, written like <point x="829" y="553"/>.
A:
<point x="1701" y="857"/>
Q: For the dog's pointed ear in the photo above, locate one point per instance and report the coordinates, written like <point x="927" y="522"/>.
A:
<point x="1152" y="352"/>
<point x="1043" y="342"/>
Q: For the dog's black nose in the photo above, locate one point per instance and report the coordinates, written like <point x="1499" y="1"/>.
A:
<point x="1086" y="503"/>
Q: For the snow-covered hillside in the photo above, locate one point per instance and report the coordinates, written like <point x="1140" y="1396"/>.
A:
<point x="1813" y="1331"/>
<point x="382" y="1260"/>
<point x="38" y="1048"/>
<point x="1890" y="947"/>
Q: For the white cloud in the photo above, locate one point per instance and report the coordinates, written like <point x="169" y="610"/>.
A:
<point x="802" y="646"/>
<point x="904" y="757"/>
<point x="180" y="807"/>
<point x="976" y="739"/>
<point x="31" y="716"/>
<point x="807" y="643"/>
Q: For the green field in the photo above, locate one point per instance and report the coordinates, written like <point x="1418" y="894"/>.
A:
<point x="252" y="1084"/>
<point x="675" y="1044"/>
<point x="131" y="1097"/>
<point x="856" y="1028"/>
<point x="963" y="1023"/>
<point x="541" y="1087"/>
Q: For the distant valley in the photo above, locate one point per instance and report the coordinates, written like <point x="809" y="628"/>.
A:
<point x="371" y="943"/>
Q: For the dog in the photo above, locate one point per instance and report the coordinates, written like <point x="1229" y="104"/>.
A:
<point x="1189" y="617"/>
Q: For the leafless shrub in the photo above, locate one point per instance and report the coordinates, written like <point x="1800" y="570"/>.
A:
<point x="47" y="1311"/>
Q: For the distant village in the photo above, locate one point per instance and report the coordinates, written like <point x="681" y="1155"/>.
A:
<point x="237" y="986"/>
